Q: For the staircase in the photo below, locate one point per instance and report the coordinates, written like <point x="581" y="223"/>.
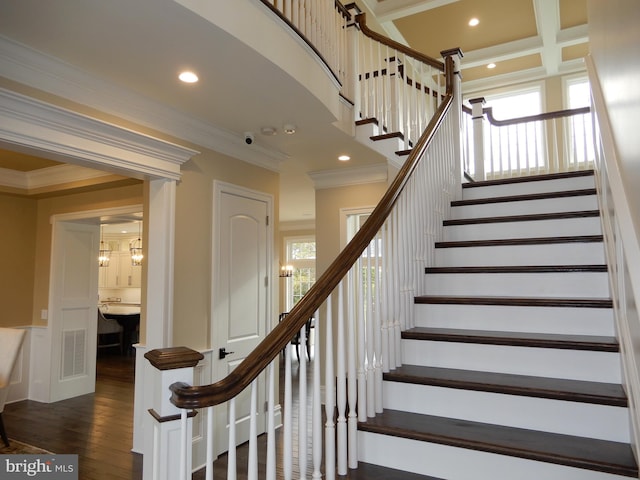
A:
<point x="512" y="370"/>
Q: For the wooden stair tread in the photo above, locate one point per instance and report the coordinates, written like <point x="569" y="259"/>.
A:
<point x="531" y="217"/>
<point x="594" y="454"/>
<point x="368" y="471"/>
<point x="521" y="241"/>
<point x="515" y="301"/>
<point x="519" y="269"/>
<point x="529" y="178"/>
<point x="540" y="387"/>
<point x="526" y="197"/>
<point x="523" y="339"/>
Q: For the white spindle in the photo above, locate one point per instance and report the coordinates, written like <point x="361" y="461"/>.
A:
<point x="287" y="433"/>
<point x="271" y="424"/>
<point x="371" y="407"/>
<point x="359" y="298"/>
<point x="317" y="402"/>
<point x="302" y="404"/>
<point x="252" y="460"/>
<point x="330" y="398"/>
<point x="210" y="443"/>
<point x="352" y="390"/>
<point x="183" y="444"/>
<point x="341" y="395"/>
<point x="231" y="454"/>
<point x="377" y="334"/>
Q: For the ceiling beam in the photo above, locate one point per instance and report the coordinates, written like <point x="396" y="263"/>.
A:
<point x="388" y="11"/>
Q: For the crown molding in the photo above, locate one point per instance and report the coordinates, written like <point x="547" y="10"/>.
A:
<point x="69" y="136"/>
<point x="48" y="177"/>
<point x="344" y="177"/>
<point x="35" y="69"/>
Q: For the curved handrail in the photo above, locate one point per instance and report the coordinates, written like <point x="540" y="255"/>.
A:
<point x="187" y="396"/>
<point x="361" y="21"/>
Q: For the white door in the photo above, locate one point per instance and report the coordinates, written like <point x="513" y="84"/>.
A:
<point x="73" y="309"/>
<point x="241" y="295"/>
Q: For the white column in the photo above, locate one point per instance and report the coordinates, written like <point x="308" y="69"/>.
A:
<point x="456" y="116"/>
<point x="477" y="104"/>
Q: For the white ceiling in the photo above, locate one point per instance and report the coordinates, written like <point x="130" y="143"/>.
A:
<point x="122" y="57"/>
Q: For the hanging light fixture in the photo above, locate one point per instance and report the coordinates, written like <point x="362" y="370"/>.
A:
<point x="286" y="271"/>
<point x="105" y="252"/>
<point x="135" y="248"/>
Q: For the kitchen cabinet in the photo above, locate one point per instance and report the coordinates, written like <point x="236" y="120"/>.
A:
<point x="120" y="273"/>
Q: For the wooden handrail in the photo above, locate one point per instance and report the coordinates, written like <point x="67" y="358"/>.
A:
<point x="361" y="21"/>
<point x="534" y="118"/>
<point x="187" y="396"/>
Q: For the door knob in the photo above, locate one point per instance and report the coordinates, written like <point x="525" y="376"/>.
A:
<point x="223" y="353"/>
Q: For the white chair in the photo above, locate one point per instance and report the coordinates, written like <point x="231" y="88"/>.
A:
<point x="10" y="342"/>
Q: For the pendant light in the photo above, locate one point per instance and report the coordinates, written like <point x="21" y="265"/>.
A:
<point x="135" y="248"/>
<point x="105" y="252"/>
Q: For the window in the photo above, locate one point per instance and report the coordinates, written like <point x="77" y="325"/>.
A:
<point x="515" y="148"/>
<point x="580" y="147"/>
<point x="301" y="255"/>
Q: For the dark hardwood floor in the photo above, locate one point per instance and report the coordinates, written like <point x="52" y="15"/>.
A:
<point x="98" y="428"/>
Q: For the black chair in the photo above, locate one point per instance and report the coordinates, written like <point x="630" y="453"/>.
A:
<point x="296" y="340"/>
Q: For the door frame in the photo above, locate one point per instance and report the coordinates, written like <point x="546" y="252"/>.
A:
<point x="220" y="188"/>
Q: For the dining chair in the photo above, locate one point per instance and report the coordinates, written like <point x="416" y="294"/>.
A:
<point x="10" y="342"/>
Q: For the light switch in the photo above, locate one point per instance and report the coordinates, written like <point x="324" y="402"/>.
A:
<point x="44" y="314"/>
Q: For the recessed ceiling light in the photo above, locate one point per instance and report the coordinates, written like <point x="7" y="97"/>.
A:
<point x="491" y="65"/>
<point x="268" y="131"/>
<point x="473" y="22"/>
<point x="344" y="158"/>
<point x="289" y="128"/>
<point x="188" y="77"/>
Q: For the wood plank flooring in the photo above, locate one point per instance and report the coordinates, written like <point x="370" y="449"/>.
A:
<point x="98" y="427"/>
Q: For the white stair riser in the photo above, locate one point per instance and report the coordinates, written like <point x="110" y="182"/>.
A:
<point x="525" y="188"/>
<point x="530" y="229"/>
<point x="541" y="362"/>
<point x="557" y="320"/>
<point x="455" y="463"/>
<point x="576" y="253"/>
<point x="565" y="284"/>
<point x="549" y="415"/>
<point x="549" y="205"/>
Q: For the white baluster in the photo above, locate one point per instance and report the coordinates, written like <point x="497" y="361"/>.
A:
<point x="377" y="334"/>
<point x="210" y="443"/>
<point x="287" y="450"/>
<point x="302" y="405"/>
<point x="341" y="396"/>
<point x="271" y="424"/>
<point x="317" y="402"/>
<point x="330" y="398"/>
<point x="351" y="375"/>
<point x="252" y="461"/>
<point x="231" y="455"/>
<point x="371" y="408"/>
<point x="362" y="351"/>
<point x="183" y="444"/>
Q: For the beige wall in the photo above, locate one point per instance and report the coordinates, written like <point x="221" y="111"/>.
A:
<point x="614" y="39"/>
<point x="194" y="213"/>
<point x="17" y="261"/>
<point x="26" y="246"/>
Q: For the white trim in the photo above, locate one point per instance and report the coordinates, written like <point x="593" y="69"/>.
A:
<point x="95" y="215"/>
<point x="35" y="69"/>
<point x="48" y="177"/>
<point x="344" y="177"/>
<point x="71" y="137"/>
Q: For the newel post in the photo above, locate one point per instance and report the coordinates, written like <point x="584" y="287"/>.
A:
<point x="456" y="115"/>
<point x="167" y="452"/>
<point x="477" y="115"/>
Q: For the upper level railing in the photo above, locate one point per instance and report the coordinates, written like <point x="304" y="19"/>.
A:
<point x="363" y="299"/>
<point x="551" y="142"/>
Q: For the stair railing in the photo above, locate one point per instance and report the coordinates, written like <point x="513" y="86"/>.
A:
<point x="322" y="24"/>
<point x="360" y="304"/>
<point x="397" y="88"/>
<point x="551" y="142"/>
